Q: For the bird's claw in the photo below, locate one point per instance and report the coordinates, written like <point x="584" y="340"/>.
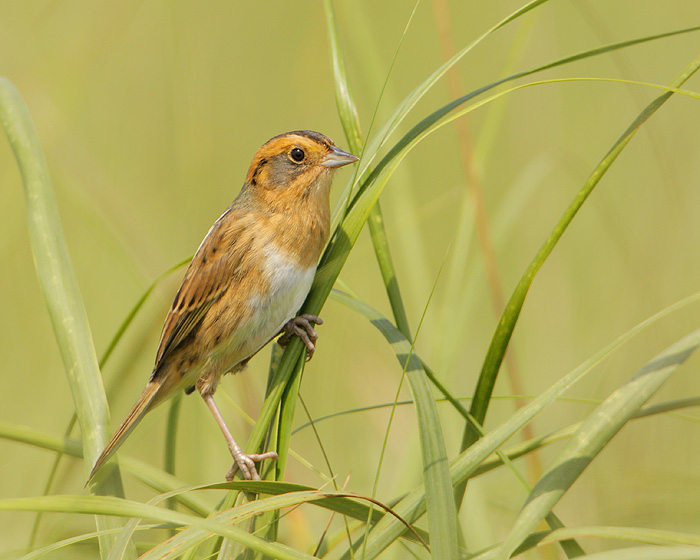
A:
<point x="246" y="463"/>
<point x="301" y="326"/>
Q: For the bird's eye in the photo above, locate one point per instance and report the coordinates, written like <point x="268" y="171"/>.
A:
<point x="297" y="154"/>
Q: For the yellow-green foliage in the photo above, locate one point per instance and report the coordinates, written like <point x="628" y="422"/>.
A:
<point x="148" y="114"/>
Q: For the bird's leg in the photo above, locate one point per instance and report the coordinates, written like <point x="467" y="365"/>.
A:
<point x="301" y="326"/>
<point x="242" y="460"/>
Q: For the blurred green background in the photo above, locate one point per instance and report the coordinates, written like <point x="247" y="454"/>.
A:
<point x="149" y="114"/>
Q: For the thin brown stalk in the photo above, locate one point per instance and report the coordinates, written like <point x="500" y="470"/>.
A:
<point x="481" y="224"/>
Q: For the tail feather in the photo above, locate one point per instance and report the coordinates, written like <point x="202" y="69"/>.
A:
<point x="143" y="405"/>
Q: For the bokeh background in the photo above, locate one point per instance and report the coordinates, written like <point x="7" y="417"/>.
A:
<point x="149" y="113"/>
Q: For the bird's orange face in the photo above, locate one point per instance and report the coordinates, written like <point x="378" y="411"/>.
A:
<point x="295" y="165"/>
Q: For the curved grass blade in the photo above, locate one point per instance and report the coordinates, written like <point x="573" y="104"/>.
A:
<point x="399" y="114"/>
<point x="631" y="534"/>
<point x="436" y="482"/>
<point x="149" y="475"/>
<point x="347" y="111"/>
<point x="71" y="541"/>
<point x="103" y="360"/>
<point x="506" y="324"/>
<point x="648" y="553"/>
<point x="111" y="506"/>
<point x="342" y="502"/>
<point x="412" y="506"/>
<point x="397" y="340"/>
<point x="442" y="518"/>
<point x="347" y="503"/>
<point x="419" y="92"/>
<point x="61" y="293"/>
<point x="440" y="113"/>
<point x="594" y="434"/>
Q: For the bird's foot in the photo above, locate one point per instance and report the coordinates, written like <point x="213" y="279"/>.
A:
<point x="246" y="463"/>
<point x="301" y="326"/>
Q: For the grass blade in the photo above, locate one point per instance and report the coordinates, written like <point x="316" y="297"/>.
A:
<point x="61" y="294"/>
<point x="111" y="506"/>
<point x="441" y="507"/>
<point x="419" y="92"/>
<point x="594" y="434"/>
<point x="53" y="547"/>
<point x="149" y="475"/>
<point x="648" y="553"/>
<point x="508" y="320"/>
<point x="633" y="534"/>
<point x="283" y="495"/>
<point x="437" y="484"/>
<point x="465" y="465"/>
<point x="347" y="110"/>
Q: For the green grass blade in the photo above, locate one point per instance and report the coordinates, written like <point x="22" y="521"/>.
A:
<point x="419" y="130"/>
<point x="53" y="547"/>
<point x="283" y="495"/>
<point x="648" y="553"/>
<point x="633" y="534"/>
<point x="438" y="485"/>
<point x="412" y="506"/>
<point x="347" y="110"/>
<point x="594" y="434"/>
<point x="149" y="475"/>
<point x="369" y="154"/>
<point x="506" y="324"/>
<point x="55" y="272"/>
<point x="103" y="360"/>
<point x="171" y="434"/>
<point x="282" y="435"/>
<point x="441" y="506"/>
<point x="380" y="242"/>
<point x="340" y="502"/>
<point x="384" y="169"/>
<point x="412" y="99"/>
<point x="111" y="506"/>
<point x="61" y="293"/>
<point x="420" y="91"/>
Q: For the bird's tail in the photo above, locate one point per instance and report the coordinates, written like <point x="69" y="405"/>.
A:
<point x="146" y="401"/>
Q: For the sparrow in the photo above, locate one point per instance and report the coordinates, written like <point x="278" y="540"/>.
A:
<point x="246" y="282"/>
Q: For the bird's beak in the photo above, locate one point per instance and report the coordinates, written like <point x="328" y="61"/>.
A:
<point x="338" y="158"/>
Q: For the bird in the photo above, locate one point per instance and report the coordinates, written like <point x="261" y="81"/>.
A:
<point x="246" y="282"/>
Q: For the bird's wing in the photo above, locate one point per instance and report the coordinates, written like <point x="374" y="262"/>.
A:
<point x="207" y="278"/>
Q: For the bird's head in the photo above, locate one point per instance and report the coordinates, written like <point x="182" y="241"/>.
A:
<point x="296" y="164"/>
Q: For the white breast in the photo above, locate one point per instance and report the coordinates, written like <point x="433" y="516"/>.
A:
<point x="289" y="285"/>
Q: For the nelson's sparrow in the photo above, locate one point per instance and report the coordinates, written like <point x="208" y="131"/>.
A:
<point x="246" y="281"/>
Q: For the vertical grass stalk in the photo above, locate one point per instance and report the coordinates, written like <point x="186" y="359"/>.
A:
<point x="62" y="297"/>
